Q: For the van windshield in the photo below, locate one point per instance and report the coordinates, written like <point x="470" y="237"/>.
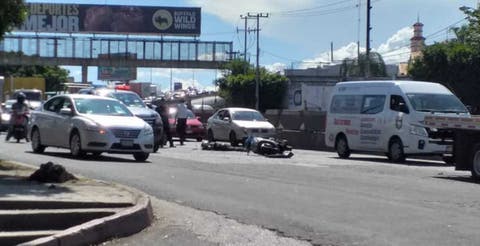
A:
<point x="436" y="103"/>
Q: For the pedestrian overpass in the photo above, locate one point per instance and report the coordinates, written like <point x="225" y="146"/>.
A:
<point x="112" y="51"/>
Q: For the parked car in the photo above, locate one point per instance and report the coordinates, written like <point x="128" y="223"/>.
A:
<point x="90" y="124"/>
<point x="195" y="128"/>
<point x="236" y="124"/>
<point x="139" y="109"/>
<point x="5" y="114"/>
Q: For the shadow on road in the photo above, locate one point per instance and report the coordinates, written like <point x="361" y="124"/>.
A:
<point x="415" y="162"/>
<point x="88" y="157"/>
<point x="465" y="179"/>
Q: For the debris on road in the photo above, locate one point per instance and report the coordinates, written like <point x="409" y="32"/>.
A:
<point x="50" y="172"/>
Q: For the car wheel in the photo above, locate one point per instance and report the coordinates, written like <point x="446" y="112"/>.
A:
<point x="210" y="136"/>
<point x="233" y="139"/>
<point x="141" y="156"/>
<point x="341" y="145"/>
<point x="156" y="147"/>
<point x="37" y="146"/>
<point x="76" y="146"/>
<point x="475" y="169"/>
<point x="395" y="151"/>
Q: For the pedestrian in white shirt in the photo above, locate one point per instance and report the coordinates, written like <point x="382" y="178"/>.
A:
<point x="181" y="119"/>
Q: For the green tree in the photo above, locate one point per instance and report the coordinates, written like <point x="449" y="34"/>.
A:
<point x="455" y="64"/>
<point x="237" y="86"/>
<point x="54" y="76"/>
<point x="12" y="13"/>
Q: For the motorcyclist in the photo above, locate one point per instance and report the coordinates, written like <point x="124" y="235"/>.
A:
<point x="18" y="108"/>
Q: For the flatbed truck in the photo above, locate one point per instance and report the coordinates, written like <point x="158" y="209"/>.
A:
<point x="466" y="140"/>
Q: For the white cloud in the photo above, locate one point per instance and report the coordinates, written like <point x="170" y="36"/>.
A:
<point x="397" y="47"/>
<point x="276" y="67"/>
<point x="395" y="50"/>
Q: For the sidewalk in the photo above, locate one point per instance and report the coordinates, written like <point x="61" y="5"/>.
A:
<point x="77" y="212"/>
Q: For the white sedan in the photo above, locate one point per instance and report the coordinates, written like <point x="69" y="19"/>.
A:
<point x="90" y="124"/>
<point x="236" y="124"/>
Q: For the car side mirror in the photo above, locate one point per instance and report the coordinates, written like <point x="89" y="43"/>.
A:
<point x="66" y="111"/>
<point x="226" y="119"/>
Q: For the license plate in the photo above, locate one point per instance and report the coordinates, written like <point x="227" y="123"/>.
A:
<point x="188" y="131"/>
<point x="126" y="143"/>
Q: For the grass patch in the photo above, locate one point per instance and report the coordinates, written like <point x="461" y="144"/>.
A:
<point x="9" y="166"/>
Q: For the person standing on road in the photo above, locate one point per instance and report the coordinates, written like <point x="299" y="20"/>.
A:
<point x="181" y="120"/>
<point x="162" y="109"/>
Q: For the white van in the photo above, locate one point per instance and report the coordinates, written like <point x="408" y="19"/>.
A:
<point x="388" y="117"/>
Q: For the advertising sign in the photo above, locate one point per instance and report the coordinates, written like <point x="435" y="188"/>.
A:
<point x="117" y="73"/>
<point x="75" y="18"/>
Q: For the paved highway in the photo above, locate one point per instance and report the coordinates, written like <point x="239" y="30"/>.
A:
<point x="313" y="197"/>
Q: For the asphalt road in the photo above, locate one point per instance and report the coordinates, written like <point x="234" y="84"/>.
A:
<point x="313" y="196"/>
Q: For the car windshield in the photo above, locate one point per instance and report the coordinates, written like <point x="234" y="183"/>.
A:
<point x="101" y="107"/>
<point x="129" y="99"/>
<point x="247" y="116"/>
<point x="440" y="103"/>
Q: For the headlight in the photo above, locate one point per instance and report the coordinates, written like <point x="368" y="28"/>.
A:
<point x="96" y="129"/>
<point x="147" y="130"/>
<point x="5" y="117"/>
<point x="418" y="130"/>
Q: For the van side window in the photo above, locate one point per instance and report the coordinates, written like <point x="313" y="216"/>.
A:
<point x="397" y="103"/>
<point x="346" y="104"/>
<point x="373" y="104"/>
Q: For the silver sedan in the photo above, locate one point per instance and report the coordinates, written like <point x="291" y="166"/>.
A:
<point x="90" y="124"/>
<point x="236" y="124"/>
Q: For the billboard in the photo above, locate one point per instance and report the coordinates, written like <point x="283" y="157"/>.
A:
<point x="117" y="73"/>
<point x="87" y="18"/>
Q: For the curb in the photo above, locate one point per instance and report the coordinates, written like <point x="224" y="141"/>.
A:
<point x="125" y="222"/>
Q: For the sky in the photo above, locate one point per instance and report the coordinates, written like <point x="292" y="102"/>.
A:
<point x="299" y="33"/>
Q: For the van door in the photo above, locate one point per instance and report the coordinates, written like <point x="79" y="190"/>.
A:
<point x="396" y="119"/>
<point x="372" y="122"/>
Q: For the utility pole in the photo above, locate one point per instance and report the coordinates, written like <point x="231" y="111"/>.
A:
<point x="331" y="52"/>
<point x="257" y="72"/>
<point x="245" y="37"/>
<point x="367" y="63"/>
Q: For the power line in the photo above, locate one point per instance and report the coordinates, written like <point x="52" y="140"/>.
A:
<point x="312" y="13"/>
<point x="309" y="9"/>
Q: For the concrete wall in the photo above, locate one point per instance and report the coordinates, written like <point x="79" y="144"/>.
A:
<point x="302" y="129"/>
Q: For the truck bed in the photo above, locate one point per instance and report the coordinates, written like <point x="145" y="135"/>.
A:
<point x="471" y="123"/>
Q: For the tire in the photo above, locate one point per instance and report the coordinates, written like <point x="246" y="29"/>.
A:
<point x="341" y="146"/>
<point x="156" y="147"/>
<point x="395" y="151"/>
<point x="37" y="146"/>
<point x="475" y="160"/>
<point x="76" y="146"/>
<point x="141" y="156"/>
<point x="233" y="139"/>
<point x="210" y="136"/>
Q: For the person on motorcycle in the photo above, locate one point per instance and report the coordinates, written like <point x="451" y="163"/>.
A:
<point x="18" y="108"/>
